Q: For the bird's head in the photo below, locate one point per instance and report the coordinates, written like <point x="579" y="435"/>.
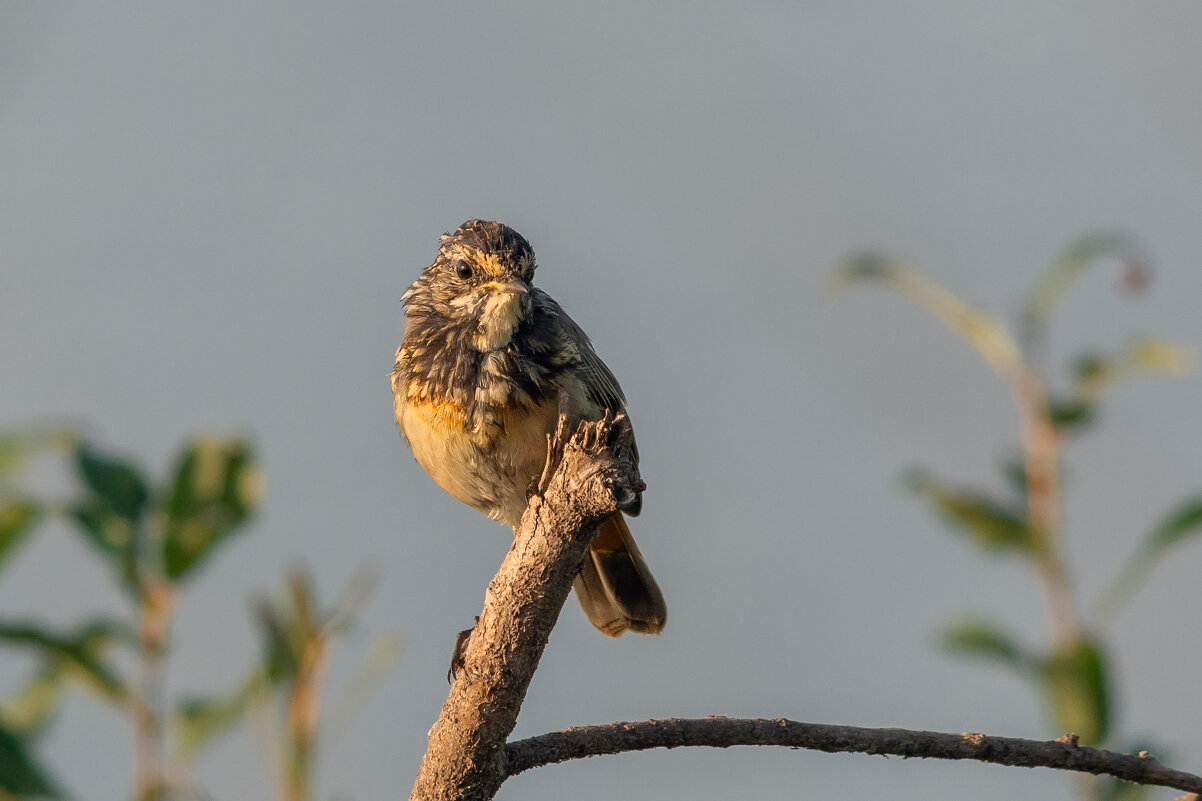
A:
<point x="480" y="281"/>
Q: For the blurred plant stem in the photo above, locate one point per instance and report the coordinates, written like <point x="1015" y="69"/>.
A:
<point x="1041" y="463"/>
<point x="158" y="599"/>
<point x="1041" y="460"/>
<point x="304" y="714"/>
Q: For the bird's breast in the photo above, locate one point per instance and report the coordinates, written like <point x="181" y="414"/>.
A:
<point x="487" y="465"/>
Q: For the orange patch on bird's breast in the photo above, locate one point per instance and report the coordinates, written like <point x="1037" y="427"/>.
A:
<point x="437" y="412"/>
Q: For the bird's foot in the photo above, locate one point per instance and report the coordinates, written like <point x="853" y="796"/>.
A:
<point x="457" y="655"/>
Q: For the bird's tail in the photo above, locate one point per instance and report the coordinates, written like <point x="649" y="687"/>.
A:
<point x="615" y="587"/>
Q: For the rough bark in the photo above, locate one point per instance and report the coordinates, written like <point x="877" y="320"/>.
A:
<point x="587" y="479"/>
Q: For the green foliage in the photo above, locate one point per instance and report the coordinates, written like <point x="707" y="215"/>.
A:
<point x="17" y="519"/>
<point x="1184" y="522"/>
<point x="214" y="491"/>
<point x="199" y="721"/>
<point x="80" y="653"/>
<point x="20" y="775"/>
<point x="995" y="524"/>
<point x="18" y="446"/>
<point x="1071" y="415"/>
<point x="1073" y="674"/>
<point x="988" y="336"/>
<point x="116" y="485"/>
<point x="1072" y="263"/>
<point x="110" y="512"/>
<point x="1094" y="374"/>
<point x="982" y="639"/>
<point x="296" y="635"/>
<point x="31" y="709"/>
<point x="154" y="537"/>
<point x="1078" y="690"/>
<point x="1014" y="473"/>
<point x="291" y="626"/>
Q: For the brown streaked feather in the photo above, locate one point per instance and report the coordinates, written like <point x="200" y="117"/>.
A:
<point x="599" y="380"/>
<point x="615" y="587"/>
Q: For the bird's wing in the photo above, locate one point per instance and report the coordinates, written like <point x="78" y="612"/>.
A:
<point x="600" y="381"/>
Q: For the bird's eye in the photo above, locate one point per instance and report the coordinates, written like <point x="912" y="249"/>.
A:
<point x="463" y="269"/>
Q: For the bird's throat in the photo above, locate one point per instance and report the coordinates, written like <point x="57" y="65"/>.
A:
<point x="499" y="319"/>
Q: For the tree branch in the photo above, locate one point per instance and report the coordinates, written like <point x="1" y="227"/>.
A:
<point x="588" y="478"/>
<point x="721" y="732"/>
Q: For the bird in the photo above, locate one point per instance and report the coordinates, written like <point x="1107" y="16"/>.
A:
<point x="479" y="373"/>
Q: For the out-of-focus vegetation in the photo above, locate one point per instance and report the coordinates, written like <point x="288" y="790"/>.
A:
<point x="154" y="539"/>
<point x="1073" y="673"/>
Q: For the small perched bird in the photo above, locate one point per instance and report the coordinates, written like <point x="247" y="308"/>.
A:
<point x="476" y="388"/>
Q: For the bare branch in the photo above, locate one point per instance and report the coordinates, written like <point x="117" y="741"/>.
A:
<point x="586" y="481"/>
<point x="721" y="732"/>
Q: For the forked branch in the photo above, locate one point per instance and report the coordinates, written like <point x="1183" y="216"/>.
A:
<point x="589" y="477"/>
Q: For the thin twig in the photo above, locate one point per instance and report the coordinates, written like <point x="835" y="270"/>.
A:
<point x="722" y="732"/>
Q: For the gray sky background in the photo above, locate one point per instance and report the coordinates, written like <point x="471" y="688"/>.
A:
<point x="208" y="213"/>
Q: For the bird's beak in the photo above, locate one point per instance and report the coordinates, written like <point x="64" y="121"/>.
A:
<point x="515" y="287"/>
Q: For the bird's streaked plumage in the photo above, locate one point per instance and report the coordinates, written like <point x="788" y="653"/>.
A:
<point x="476" y="386"/>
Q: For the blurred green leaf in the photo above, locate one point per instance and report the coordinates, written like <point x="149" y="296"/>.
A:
<point x="1155" y="355"/>
<point x="1077" y="686"/>
<point x="988" y="336"/>
<point x="303" y="604"/>
<point x="14" y="449"/>
<point x="1183" y="522"/>
<point x="28" y="711"/>
<point x="976" y="637"/>
<point x="214" y="491"/>
<point x="1094" y="374"/>
<point x="279" y="653"/>
<point x="1014" y="470"/>
<point x="1089" y="368"/>
<point x="115" y="538"/>
<point x="118" y="483"/>
<point x="1072" y="262"/>
<point x="1070" y="415"/>
<point x="81" y="653"/>
<point x="989" y="522"/>
<point x="199" y="721"/>
<point x="16" y="446"/>
<point x="110" y="515"/>
<point x="288" y="626"/>
<point x="17" y="519"/>
<point x="20" y="775"/>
